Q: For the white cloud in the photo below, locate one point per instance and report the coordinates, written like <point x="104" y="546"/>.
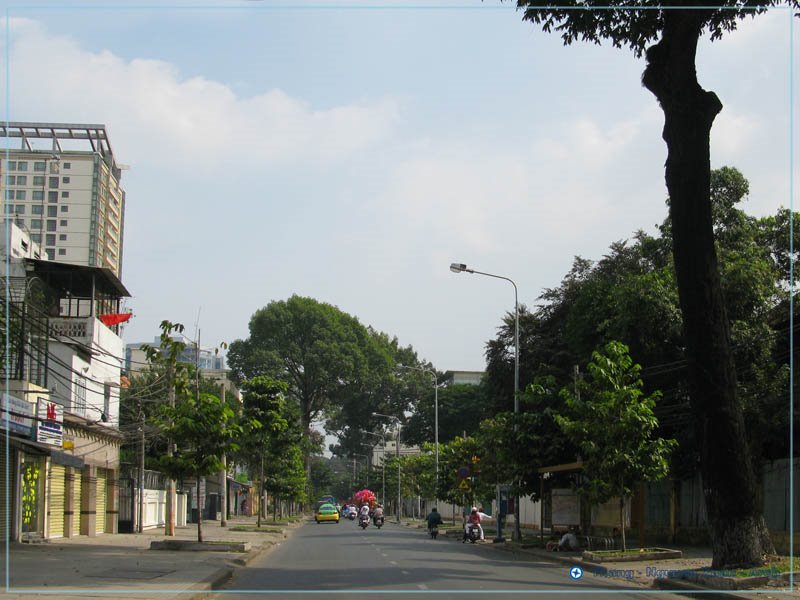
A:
<point x="157" y="115"/>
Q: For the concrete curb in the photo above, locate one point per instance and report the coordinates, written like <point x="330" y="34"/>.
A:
<point x="692" y="590"/>
<point x="207" y="585"/>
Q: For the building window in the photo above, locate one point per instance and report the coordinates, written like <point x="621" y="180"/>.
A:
<point x="20" y="195"/>
<point x="53" y="182"/>
<point x="22" y="165"/>
<point x="20" y="209"/>
<point x="38" y="180"/>
<point x="52" y="211"/>
<point x="79" y="398"/>
<point x="11" y="180"/>
<point x="65" y="194"/>
<point x="67" y="165"/>
<point x="36" y="223"/>
<point x="39" y="165"/>
<point x="20" y="222"/>
<point x="65" y="180"/>
<point x="12" y="165"/>
<point x="9" y="194"/>
<point x="37" y="209"/>
<point x="52" y="197"/>
<point x="36" y="237"/>
<point x="62" y="252"/>
<point x="64" y="208"/>
<point x="49" y="239"/>
<point x="37" y="195"/>
<point x="51" y="226"/>
<point x="51" y="253"/>
<point x="22" y="180"/>
<point x="62" y="237"/>
<point x="9" y="209"/>
<point x="63" y="223"/>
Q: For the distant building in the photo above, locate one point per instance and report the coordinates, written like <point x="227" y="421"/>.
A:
<point x="62" y="187"/>
<point x="212" y="366"/>
<point x="464" y="377"/>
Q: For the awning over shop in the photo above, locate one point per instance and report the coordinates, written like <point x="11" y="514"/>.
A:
<point x="56" y="455"/>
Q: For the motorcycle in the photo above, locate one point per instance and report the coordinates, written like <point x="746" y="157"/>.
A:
<point x="433" y="530"/>
<point x="471" y="533"/>
<point x="378" y="521"/>
<point x="363" y="521"/>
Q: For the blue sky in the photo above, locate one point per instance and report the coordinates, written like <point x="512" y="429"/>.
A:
<point x="351" y="151"/>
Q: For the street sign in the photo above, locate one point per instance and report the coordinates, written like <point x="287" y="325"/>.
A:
<point x="463" y="472"/>
<point x="464" y="485"/>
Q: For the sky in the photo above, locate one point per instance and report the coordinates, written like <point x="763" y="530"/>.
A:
<point x="351" y="151"/>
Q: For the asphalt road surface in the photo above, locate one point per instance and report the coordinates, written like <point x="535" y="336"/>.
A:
<point x="330" y="560"/>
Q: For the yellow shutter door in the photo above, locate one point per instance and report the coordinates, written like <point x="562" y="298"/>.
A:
<point x="100" y="510"/>
<point x="55" y="501"/>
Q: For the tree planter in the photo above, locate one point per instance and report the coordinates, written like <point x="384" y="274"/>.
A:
<point x="599" y="556"/>
<point x="200" y="546"/>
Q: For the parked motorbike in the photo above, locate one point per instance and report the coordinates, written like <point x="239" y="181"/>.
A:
<point x="378" y="521"/>
<point x="363" y="521"/>
<point x="433" y="531"/>
<point x="471" y="533"/>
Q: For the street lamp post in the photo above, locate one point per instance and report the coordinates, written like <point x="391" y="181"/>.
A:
<point x="383" y="463"/>
<point x="435" y="420"/>
<point x="398" y="457"/>
<point x="461" y="268"/>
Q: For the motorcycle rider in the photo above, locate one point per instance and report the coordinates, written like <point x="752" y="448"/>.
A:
<point x="434" y="519"/>
<point x="377" y="514"/>
<point x="474" y="520"/>
<point x="364" y="512"/>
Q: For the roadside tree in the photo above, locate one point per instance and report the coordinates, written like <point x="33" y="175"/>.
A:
<point x="668" y="37"/>
<point x="613" y="425"/>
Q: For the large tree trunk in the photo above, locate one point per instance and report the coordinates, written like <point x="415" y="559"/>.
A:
<point x="738" y="532"/>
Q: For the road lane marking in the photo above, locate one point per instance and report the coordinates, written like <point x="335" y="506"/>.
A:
<point x="405" y="573"/>
<point x="392" y="562"/>
<point x="422" y="586"/>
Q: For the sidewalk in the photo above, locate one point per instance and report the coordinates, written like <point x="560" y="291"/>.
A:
<point x="122" y="565"/>
<point x="649" y="574"/>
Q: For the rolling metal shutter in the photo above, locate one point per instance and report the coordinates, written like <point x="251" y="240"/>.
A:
<point x="55" y="501"/>
<point x="5" y="499"/>
<point x="76" y="503"/>
<point x="100" y="510"/>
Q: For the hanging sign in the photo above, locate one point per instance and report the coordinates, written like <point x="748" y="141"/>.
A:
<point x="50" y="423"/>
<point x="16" y="415"/>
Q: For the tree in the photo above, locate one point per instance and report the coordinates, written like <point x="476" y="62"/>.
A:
<point x="322" y="353"/>
<point x="738" y="532"/>
<point x="203" y="429"/>
<point x="264" y="409"/>
<point x="613" y="426"/>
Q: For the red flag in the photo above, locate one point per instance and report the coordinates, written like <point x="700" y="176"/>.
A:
<point x="115" y="318"/>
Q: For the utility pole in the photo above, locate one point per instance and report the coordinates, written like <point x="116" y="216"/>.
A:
<point x="140" y="525"/>
<point x="223" y="478"/>
<point x="170" y="520"/>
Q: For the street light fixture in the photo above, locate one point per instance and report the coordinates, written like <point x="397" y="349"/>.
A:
<point x="398" y="457"/>
<point x="383" y="463"/>
<point x="462" y="268"/>
<point x="435" y="419"/>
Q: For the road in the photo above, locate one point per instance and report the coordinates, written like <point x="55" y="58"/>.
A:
<point x="340" y="560"/>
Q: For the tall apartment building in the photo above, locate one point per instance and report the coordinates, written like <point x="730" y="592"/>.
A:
<point x="61" y="184"/>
